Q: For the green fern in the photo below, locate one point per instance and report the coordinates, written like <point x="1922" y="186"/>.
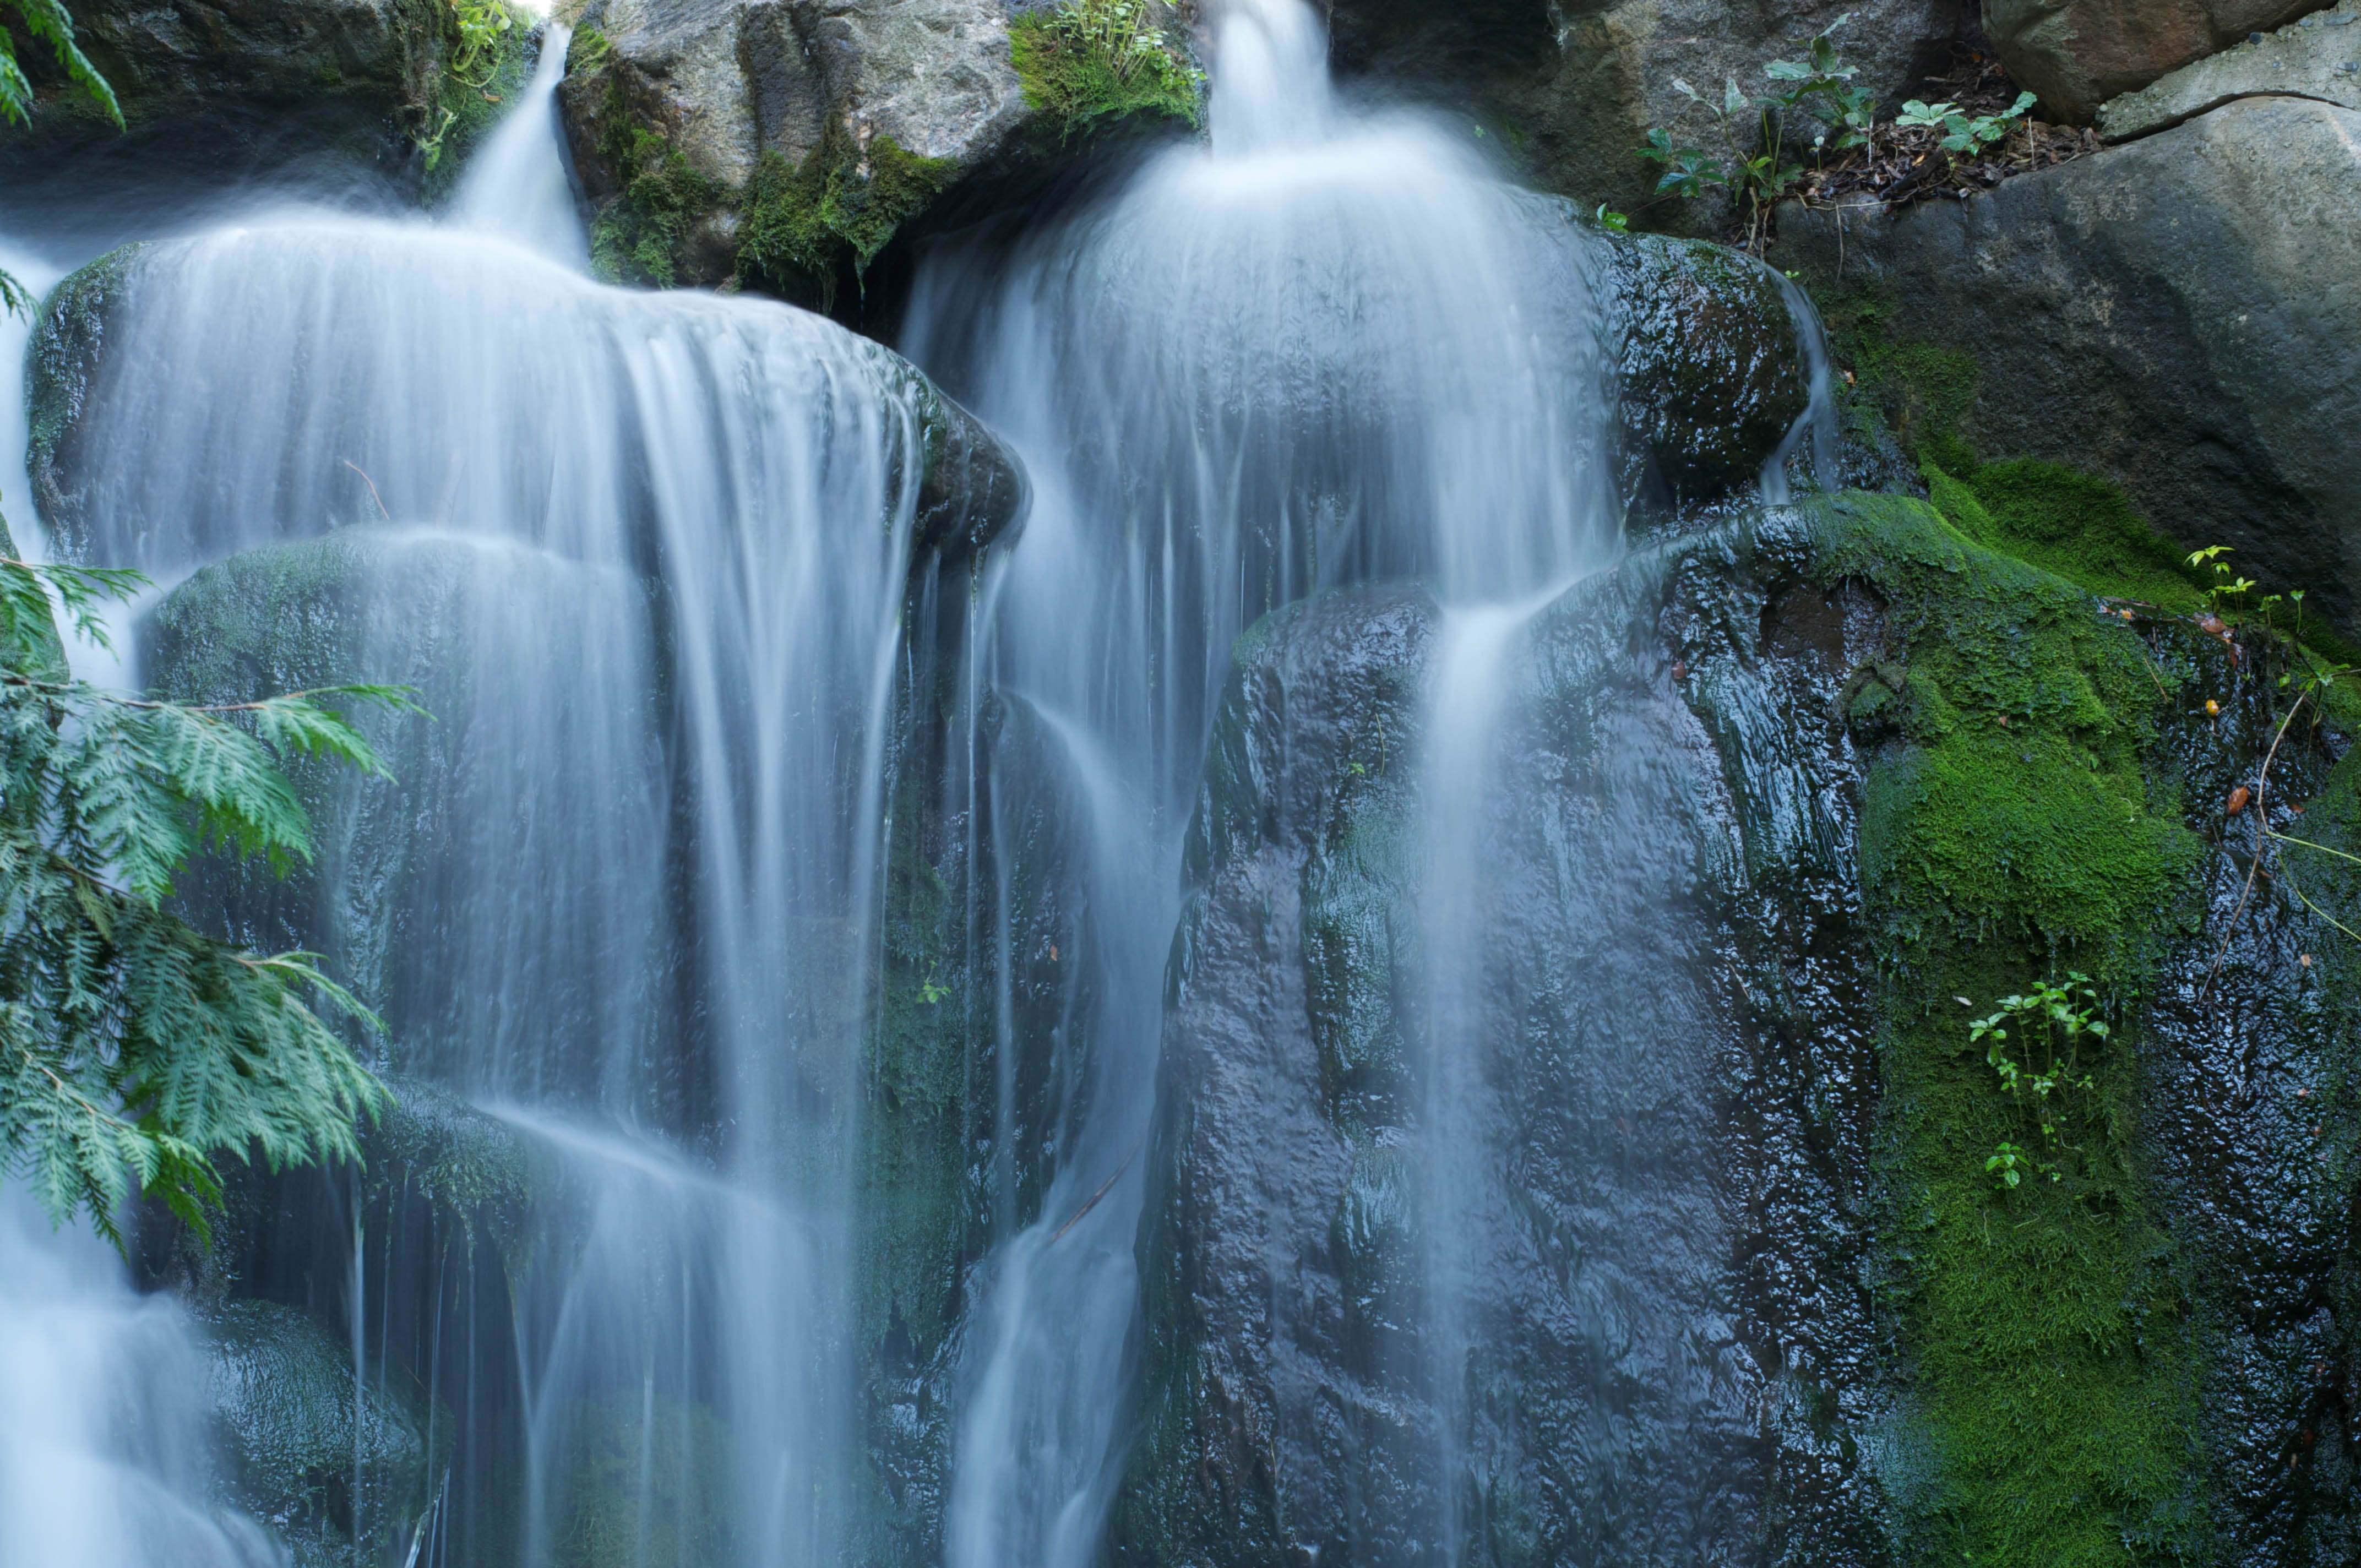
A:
<point x="135" y="1049"/>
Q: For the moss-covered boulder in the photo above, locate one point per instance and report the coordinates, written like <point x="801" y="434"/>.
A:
<point x="782" y="146"/>
<point x="1695" y="1240"/>
<point x="801" y="134"/>
<point x="339" y="1467"/>
<point x="217" y="92"/>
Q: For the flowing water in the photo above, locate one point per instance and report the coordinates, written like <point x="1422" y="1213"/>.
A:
<point x="1326" y="347"/>
<point x="646" y="555"/>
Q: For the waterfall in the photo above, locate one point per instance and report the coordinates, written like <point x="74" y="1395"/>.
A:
<point x="644" y="555"/>
<point x="517" y="187"/>
<point x="1328" y="345"/>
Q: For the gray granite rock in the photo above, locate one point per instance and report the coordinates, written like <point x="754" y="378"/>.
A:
<point x="2318" y="57"/>
<point x="2180" y="315"/>
<point x="2078" y="53"/>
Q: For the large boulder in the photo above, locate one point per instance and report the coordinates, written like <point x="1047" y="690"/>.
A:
<point x="97" y="340"/>
<point x="2077" y="54"/>
<point x="1665" y="1232"/>
<point x="1576" y="87"/>
<point x="803" y="132"/>
<point x="2314" y="57"/>
<point x="215" y="91"/>
<point x="2180" y="315"/>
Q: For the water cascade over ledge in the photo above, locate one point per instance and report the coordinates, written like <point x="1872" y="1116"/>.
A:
<point x="1292" y="889"/>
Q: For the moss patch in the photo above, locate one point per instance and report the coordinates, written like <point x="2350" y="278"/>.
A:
<point x="639" y="235"/>
<point x="806" y="223"/>
<point x="1084" y="74"/>
<point x="2008" y="837"/>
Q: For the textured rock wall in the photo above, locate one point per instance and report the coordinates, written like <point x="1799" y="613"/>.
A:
<point x="2179" y="315"/>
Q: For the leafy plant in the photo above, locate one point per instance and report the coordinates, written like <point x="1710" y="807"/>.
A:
<point x="478" y="25"/>
<point x="2224" y="585"/>
<point x="1963" y="136"/>
<point x="1755" y="132"/>
<point x="2036" y="1044"/>
<point x="135" y="1049"/>
<point x="46" y="21"/>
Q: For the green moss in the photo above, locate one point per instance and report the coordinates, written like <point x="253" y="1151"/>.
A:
<point x="2011" y="835"/>
<point x="68" y="338"/>
<point x="805" y="223"/>
<point x="1080" y="85"/>
<point x="468" y="103"/>
<point x="587" y="52"/>
<point x="2081" y="527"/>
<point x="639" y="235"/>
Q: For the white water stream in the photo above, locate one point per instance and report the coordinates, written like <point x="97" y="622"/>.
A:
<point x="653" y="547"/>
<point x="1326" y="347"/>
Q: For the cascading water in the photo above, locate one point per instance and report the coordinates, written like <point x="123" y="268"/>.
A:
<point x="646" y="555"/>
<point x="1325" y="348"/>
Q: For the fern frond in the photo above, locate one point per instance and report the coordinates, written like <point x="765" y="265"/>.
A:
<point x="47" y="20"/>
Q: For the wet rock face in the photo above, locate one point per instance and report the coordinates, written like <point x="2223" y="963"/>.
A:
<point x="1578" y="1278"/>
<point x="2077" y="54"/>
<point x="1714" y="373"/>
<point x="201" y="83"/>
<point x="2180" y="313"/>
<point x="334" y="1470"/>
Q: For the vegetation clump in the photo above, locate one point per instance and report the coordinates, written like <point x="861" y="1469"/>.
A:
<point x="2014" y="829"/>
<point x="134" y="1049"/>
<point x="640" y="237"/>
<point x="807" y="224"/>
<point x="1815" y="110"/>
<point x="486" y="66"/>
<point x="1090" y="65"/>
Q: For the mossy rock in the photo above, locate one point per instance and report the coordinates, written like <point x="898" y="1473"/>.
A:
<point x="341" y="1470"/>
<point x="69" y="342"/>
<point x="469" y="105"/>
<point x="1079" y="89"/>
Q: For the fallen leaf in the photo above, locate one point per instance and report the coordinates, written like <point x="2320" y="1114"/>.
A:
<point x="2237" y="802"/>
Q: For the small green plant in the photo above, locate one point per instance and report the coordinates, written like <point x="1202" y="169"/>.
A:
<point x="1965" y="137"/>
<point x="1613" y="222"/>
<point x="2009" y="1165"/>
<point x="2036" y="1044"/>
<point x="931" y="991"/>
<point x="478" y="25"/>
<point x="2224" y="585"/>
<point x="1752" y="164"/>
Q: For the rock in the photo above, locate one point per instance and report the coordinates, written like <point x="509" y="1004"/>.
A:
<point x="1708" y="1162"/>
<point x="847" y="117"/>
<point x="208" y="82"/>
<point x="1305" y="1396"/>
<point x="1715" y="374"/>
<point x="970" y="488"/>
<point x="2318" y="57"/>
<point x="2077" y="54"/>
<point x="333" y="1466"/>
<point x="1576" y="86"/>
<point x="2180" y="315"/>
